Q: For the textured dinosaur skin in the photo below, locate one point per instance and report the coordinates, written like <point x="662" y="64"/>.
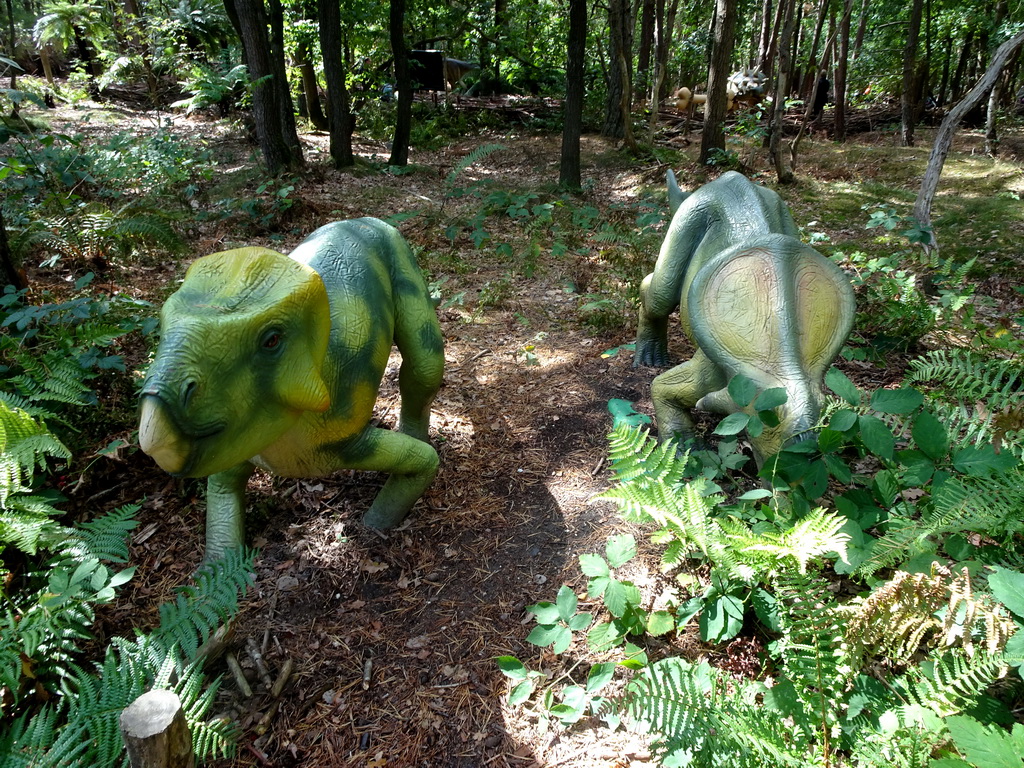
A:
<point x="753" y="299"/>
<point x="275" y="361"/>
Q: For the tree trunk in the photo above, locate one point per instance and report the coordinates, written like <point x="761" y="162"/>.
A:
<point x="277" y="150"/>
<point x="650" y="17"/>
<point x="403" y="83"/>
<point x="944" y="136"/>
<point x="572" y="125"/>
<point x="841" y="67"/>
<point x="956" y="90"/>
<point x="861" y="28"/>
<point x="310" y="87"/>
<point x="908" y="99"/>
<point x="785" y="175"/>
<point x="617" y="123"/>
<point x="940" y="98"/>
<point x="340" y="117"/>
<point x="713" y="135"/>
<point x="991" y="130"/>
<point x="807" y="87"/>
<point x="765" y="37"/>
<point x="286" y="111"/>
<point x="10" y="273"/>
<point x="155" y="732"/>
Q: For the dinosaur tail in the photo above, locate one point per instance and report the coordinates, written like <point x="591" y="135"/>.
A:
<point x="778" y="312"/>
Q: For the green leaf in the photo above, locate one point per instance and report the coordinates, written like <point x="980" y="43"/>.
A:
<point x="929" y="434"/>
<point x="896" y="401"/>
<point x="755" y="426"/>
<point x="620" y="549"/>
<point x="512" y="667"/>
<point x="830" y="440"/>
<point x="742" y="390"/>
<point x="580" y="621"/>
<point x="756" y="493"/>
<point x="732" y="424"/>
<point x="721" y="619"/>
<point x="619" y="596"/>
<point x="520" y="693"/>
<point x="838" y="468"/>
<point x="562" y="641"/>
<point x="598" y="586"/>
<point x="1008" y="588"/>
<point x="546" y="613"/>
<point x="837" y="381"/>
<point x="603" y="637"/>
<point x="843" y="421"/>
<point x="543" y="636"/>
<point x="886" y="488"/>
<point x="593" y="565"/>
<point x="979" y="461"/>
<point x="766" y="607"/>
<point x="660" y="623"/>
<point x="566" y="602"/>
<point x="771" y="398"/>
<point x="815" y="480"/>
<point x="600" y="675"/>
<point x="985" y="746"/>
<point x="876" y="436"/>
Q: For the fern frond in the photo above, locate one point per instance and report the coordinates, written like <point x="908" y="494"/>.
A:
<point x="472" y="159"/>
<point x="198" y="610"/>
<point x="953" y="683"/>
<point x="634" y="454"/>
<point x="977" y="397"/>
<point x="912" y="609"/>
<point x="812" y="648"/>
<point x="106" y="537"/>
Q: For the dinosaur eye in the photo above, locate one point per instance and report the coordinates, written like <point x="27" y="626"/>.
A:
<point x="272" y="340"/>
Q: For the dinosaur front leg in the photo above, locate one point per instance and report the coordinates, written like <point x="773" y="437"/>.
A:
<point x="676" y="391"/>
<point x="652" y="329"/>
<point x="411" y="463"/>
<point x="225" y="510"/>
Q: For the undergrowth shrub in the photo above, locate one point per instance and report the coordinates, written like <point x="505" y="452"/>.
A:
<point x="882" y="562"/>
<point x="58" y="708"/>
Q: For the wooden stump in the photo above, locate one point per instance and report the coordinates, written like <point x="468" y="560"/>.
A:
<point x="155" y="732"/>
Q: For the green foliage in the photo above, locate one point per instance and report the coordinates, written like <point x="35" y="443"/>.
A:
<point x="870" y="681"/>
<point x="49" y="352"/>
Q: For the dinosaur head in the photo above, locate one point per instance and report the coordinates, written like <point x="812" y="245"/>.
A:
<point x="243" y="342"/>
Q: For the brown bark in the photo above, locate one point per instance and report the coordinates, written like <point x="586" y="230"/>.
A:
<point x="785" y="175"/>
<point x="909" y="99"/>
<point x="310" y="87"/>
<point x="403" y="83"/>
<point x="713" y="135"/>
<point x="10" y="272"/>
<point x="569" y="166"/>
<point x="944" y="136"/>
<point x="340" y="118"/>
<point x="839" y="87"/>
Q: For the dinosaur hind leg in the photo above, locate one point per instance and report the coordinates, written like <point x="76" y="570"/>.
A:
<point x="419" y="339"/>
<point x="676" y="391"/>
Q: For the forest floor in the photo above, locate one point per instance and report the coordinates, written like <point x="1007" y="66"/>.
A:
<point x="392" y="636"/>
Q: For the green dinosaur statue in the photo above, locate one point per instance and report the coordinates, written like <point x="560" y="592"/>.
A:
<point x="275" y="361"/>
<point x="753" y="299"/>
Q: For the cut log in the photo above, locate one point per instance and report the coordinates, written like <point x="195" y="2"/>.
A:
<point x="155" y="732"/>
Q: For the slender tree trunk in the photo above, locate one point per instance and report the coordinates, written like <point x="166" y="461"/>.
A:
<point x="286" y="112"/>
<point x="572" y="126"/>
<point x="10" y="273"/>
<point x="940" y="98"/>
<point x="340" y="117"/>
<point x="650" y="17"/>
<point x="278" y="151"/>
<point x="617" y="121"/>
<point x="944" y="136"/>
<point x="808" y="85"/>
<point x="310" y="88"/>
<point x="403" y="82"/>
<point x="991" y="128"/>
<point x="713" y="135"/>
<point x="13" y="41"/>
<point x="764" y="38"/>
<point x="841" y="67"/>
<point x="862" y="25"/>
<point x="785" y="175"/>
<point x="908" y="99"/>
<point x="961" y="66"/>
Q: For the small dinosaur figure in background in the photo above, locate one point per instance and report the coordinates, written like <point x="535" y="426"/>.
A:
<point x="275" y="361"/>
<point x="753" y="299"/>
